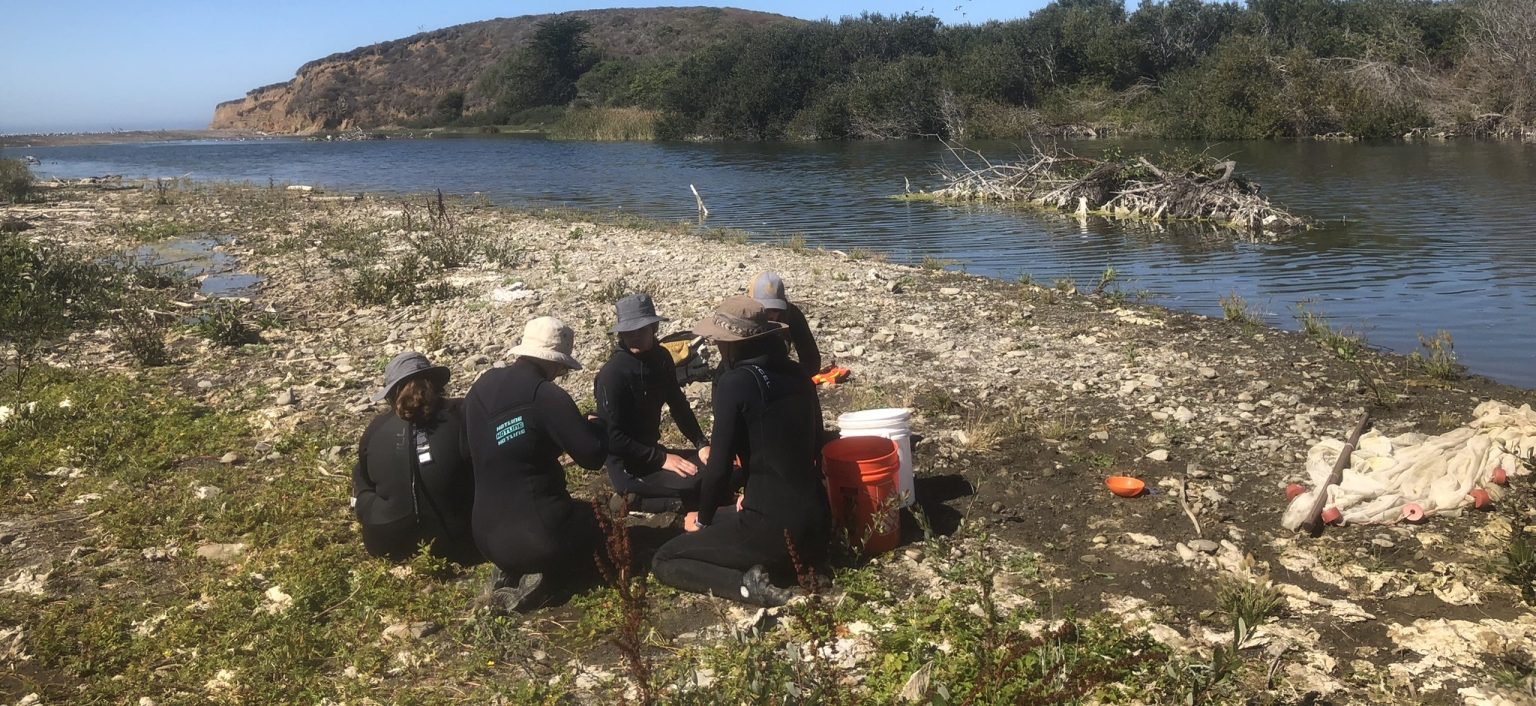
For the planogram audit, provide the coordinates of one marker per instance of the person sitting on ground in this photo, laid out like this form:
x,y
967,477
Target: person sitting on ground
x,y
630,389
768,289
766,412
520,422
412,483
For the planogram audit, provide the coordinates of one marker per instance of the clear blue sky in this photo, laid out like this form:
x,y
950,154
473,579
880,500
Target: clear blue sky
x,y
105,65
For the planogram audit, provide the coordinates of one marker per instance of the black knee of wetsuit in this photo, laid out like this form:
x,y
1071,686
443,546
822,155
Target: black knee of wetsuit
x,y
713,559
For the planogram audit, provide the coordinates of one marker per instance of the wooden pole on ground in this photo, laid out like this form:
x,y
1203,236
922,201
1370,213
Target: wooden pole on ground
x,y
1314,523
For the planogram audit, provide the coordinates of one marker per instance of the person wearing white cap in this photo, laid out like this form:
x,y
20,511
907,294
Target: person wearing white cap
x,y
520,422
768,289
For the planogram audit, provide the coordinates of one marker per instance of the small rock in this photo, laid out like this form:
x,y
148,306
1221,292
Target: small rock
x,y
1157,438
229,458
1208,373
1204,545
1185,553
285,397
204,384
1099,436
1383,543
1183,416
914,554
1100,539
997,507
221,553
949,291
1158,455
205,492
1145,540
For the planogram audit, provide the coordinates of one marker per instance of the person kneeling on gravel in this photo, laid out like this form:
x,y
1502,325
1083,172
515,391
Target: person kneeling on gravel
x,y
630,390
520,422
412,483
767,412
768,289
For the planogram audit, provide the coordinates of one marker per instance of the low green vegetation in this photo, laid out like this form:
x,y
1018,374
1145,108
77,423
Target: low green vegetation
x,y
1437,357
1343,343
1237,309
226,322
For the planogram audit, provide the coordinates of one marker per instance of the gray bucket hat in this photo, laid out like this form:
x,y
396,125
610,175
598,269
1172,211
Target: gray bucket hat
x,y
768,288
636,311
405,366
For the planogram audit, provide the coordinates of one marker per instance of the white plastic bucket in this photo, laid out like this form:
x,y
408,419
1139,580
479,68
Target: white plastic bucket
x,y
895,424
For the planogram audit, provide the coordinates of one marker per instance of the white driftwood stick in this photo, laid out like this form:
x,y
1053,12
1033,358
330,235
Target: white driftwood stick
x,y
703,212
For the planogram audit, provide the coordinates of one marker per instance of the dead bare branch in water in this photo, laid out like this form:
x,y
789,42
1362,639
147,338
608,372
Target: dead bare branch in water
x,y
1207,189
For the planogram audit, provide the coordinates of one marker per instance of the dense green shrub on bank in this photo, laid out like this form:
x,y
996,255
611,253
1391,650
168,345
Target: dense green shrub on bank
x,y
15,180
1180,68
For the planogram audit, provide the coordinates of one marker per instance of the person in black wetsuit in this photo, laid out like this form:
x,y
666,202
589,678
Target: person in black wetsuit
x,y
412,483
766,411
520,421
630,389
768,289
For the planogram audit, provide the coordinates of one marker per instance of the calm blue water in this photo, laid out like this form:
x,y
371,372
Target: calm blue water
x,y
1418,237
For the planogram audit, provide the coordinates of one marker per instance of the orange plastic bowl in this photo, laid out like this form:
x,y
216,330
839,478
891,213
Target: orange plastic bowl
x,y
1125,486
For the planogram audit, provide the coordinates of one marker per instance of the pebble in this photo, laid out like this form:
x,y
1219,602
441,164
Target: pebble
x,y
1185,553
997,507
1099,436
204,384
949,291
1145,540
914,554
1158,455
1208,373
230,457
221,553
1100,539
1383,543
285,397
1204,545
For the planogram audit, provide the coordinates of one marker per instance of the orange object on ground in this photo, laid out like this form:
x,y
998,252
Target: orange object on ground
x,y
1332,516
1125,486
1481,498
1499,477
1293,490
831,376
862,480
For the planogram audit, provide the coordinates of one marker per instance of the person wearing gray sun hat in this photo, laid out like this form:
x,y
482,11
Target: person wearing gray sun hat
x,y
520,422
631,388
768,289
413,482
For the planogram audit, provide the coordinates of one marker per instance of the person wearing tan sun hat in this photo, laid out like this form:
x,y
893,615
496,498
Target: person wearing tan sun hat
x,y
519,423
768,289
767,413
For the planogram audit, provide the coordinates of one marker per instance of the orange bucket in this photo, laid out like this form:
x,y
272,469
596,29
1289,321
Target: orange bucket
x,y
863,474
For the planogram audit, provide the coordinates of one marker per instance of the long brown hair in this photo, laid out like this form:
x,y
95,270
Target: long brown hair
x,y
417,400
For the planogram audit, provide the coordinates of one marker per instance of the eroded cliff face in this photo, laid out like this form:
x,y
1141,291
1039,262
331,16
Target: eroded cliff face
x,y
394,82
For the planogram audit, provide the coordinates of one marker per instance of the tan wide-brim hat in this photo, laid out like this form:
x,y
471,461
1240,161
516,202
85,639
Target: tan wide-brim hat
x,y
739,318
548,338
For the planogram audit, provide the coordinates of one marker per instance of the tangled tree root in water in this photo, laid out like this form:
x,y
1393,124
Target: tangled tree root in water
x,y
1200,188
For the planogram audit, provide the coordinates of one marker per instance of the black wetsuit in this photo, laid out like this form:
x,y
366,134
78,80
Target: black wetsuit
x,y
766,411
413,484
525,520
800,337
630,391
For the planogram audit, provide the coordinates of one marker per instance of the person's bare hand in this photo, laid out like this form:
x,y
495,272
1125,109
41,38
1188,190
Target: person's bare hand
x,y
679,465
704,455
691,522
